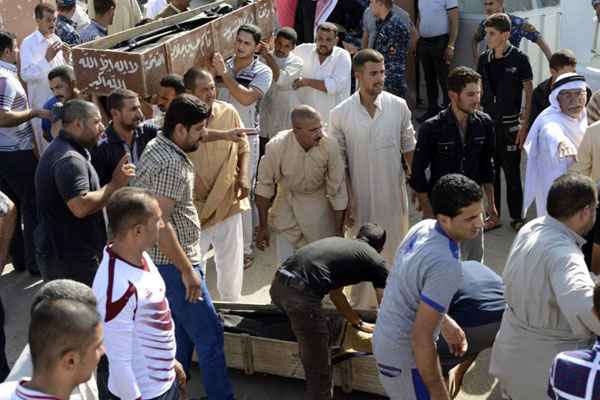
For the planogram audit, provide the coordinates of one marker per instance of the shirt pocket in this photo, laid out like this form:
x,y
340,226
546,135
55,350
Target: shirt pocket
x,y
385,142
447,149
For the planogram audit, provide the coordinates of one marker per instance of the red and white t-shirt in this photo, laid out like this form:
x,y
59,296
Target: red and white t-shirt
x,y
16,391
139,334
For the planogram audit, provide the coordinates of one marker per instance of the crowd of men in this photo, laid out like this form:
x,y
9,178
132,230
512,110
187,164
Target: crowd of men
x,y
309,147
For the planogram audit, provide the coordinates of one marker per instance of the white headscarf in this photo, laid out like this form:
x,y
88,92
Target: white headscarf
x,y
572,128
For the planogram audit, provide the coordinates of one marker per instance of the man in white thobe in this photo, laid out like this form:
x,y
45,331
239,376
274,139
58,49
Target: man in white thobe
x,y
281,99
41,51
548,291
554,138
374,132
325,80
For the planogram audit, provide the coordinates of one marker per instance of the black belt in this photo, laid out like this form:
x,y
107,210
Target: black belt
x,y
287,278
435,38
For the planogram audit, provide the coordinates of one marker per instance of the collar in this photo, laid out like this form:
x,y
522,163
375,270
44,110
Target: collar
x,y
66,20
387,17
378,100
9,67
39,37
249,67
451,117
25,393
100,27
168,142
492,54
80,149
113,137
453,244
550,221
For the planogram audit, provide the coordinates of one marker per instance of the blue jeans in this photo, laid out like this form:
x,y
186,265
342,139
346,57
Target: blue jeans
x,y
198,324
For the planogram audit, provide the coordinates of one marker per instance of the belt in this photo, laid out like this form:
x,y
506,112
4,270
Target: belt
x,y
288,279
435,38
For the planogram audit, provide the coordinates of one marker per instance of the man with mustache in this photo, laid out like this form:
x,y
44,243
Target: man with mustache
x,y
325,78
304,170
63,86
125,135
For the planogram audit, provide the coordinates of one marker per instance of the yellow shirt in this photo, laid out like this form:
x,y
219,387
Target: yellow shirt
x,y
588,154
216,170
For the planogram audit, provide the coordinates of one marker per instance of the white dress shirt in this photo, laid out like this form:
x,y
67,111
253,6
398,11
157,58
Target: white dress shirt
x,y
34,71
334,71
433,19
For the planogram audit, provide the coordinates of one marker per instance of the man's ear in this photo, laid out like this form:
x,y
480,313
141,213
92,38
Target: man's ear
x,y
70,361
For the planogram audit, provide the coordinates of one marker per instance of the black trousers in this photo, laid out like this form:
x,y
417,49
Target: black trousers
x,y
17,175
312,332
430,52
81,269
508,159
4,369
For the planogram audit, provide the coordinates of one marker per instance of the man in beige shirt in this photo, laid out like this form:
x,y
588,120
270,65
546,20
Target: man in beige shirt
x,y
304,170
221,187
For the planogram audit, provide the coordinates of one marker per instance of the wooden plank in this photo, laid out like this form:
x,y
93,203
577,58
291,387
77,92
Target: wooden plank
x,y
364,375
154,62
191,49
234,352
227,26
277,357
264,13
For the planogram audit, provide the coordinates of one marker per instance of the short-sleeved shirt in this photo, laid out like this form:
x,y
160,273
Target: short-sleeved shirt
x,y
46,123
335,262
369,22
165,170
480,299
519,28
4,203
92,32
111,148
434,17
13,98
65,30
426,270
257,75
63,173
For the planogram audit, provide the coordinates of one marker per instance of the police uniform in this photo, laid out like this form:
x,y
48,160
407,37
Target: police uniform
x,y
65,29
392,40
519,29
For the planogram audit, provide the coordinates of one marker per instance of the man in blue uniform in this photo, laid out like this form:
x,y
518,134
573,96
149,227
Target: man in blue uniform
x,y
520,29
392,40
65,27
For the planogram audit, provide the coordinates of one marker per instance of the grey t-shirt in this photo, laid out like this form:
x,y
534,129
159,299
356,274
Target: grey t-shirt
x,y
369,22
426,269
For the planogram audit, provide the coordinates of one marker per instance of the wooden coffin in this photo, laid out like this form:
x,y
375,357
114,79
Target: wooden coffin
x,y
279,357
99,68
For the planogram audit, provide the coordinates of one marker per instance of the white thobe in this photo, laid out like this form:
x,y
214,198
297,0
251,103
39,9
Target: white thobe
x,y
280,100
153,7
80,18
550,164
334,71
34,71
548,294
373,148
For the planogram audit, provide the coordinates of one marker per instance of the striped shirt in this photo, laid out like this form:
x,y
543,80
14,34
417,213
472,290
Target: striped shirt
x,y
13,98
575,375
17,391
165,170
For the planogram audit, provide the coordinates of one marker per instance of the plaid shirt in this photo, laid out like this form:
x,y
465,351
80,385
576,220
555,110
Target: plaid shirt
x,y
165,170
575,375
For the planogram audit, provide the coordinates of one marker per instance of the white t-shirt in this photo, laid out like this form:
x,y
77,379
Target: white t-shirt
x,y
434,17
139,333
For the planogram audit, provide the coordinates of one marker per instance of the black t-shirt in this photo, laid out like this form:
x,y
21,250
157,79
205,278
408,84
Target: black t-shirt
x,y
64,172
496,73
335,262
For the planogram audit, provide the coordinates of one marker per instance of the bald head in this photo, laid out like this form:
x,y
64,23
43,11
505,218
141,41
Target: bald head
x,y
304,113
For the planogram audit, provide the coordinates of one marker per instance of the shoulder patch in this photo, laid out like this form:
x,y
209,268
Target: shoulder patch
x,y
527,27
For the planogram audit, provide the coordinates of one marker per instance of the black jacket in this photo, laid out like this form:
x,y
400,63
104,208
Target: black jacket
x,y
440,147
505,105
540,100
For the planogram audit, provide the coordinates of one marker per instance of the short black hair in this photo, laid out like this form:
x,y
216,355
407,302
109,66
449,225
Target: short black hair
x,y
128,207
253,30
373,234
498,21
57,327
569,194
7,40
460,77
563,58
287,33
117,98
173,81
101,7
453,192
41,8
77,109
328,27
64,289
364,56
185,109
192,75
64,72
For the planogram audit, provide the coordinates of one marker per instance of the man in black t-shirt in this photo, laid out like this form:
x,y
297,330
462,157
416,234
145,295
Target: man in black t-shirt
x,y
326,267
